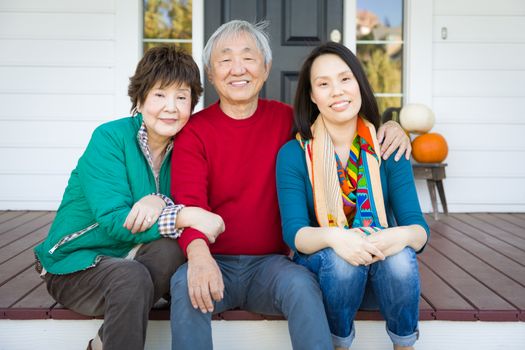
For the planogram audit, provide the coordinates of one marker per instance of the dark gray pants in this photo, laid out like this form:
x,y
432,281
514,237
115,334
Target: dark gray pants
x,y
122,290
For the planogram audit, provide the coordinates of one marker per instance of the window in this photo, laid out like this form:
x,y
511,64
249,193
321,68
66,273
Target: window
x,y
379,46
168,21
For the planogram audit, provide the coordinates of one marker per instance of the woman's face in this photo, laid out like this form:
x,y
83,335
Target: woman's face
x,y
335,90
166,110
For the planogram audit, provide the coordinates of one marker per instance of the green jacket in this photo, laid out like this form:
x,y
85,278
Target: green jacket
x,y
111,176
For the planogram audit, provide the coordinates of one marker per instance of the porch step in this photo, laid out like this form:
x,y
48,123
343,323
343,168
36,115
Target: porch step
x,y
263,335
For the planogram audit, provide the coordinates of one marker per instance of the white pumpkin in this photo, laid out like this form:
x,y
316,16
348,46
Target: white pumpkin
x,y
416,118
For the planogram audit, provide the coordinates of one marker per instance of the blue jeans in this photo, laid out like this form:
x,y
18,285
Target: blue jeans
x,y
391,284
268,284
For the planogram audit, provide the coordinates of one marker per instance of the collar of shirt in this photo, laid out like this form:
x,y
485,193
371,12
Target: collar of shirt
x,y
142,138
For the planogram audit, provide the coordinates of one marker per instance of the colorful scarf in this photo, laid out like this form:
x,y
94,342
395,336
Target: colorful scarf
x,y
343,194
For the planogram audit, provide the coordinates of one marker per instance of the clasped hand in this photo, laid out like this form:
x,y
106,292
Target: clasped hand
x,y
359,249
352,245
388,241
144,213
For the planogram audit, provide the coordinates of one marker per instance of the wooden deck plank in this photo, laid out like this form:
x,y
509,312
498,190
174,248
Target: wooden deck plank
x,y
16,233
9,215
520,215
24,243
19,221
514,220
446,302
426,311
509,227
35,305
493,230
488,240
500,262
491,306
505,287
38,298
18,287
16,264
465,262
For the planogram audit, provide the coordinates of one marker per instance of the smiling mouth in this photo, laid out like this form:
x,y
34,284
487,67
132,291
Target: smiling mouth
x,y
169,120
239,83
340,105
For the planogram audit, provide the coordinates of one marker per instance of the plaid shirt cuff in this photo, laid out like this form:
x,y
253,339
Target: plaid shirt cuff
x,y
167,221
166,199
168,218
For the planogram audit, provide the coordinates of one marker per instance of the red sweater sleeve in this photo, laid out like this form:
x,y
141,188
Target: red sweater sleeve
x,y
189,178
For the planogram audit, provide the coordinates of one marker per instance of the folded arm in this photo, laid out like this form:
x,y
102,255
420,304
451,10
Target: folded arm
x,y
103,174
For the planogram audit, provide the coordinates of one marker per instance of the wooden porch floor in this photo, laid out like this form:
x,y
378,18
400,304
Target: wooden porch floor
x,y
472,269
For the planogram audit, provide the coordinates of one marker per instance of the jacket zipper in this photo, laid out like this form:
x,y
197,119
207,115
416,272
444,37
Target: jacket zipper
x,y
71,237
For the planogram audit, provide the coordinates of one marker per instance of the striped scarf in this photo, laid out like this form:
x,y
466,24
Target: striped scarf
x,y
350,194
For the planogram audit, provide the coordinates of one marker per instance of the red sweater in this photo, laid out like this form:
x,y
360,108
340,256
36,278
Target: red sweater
x,y
227,166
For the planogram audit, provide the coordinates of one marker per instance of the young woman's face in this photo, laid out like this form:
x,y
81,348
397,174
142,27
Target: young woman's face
x,y
166,110
335,90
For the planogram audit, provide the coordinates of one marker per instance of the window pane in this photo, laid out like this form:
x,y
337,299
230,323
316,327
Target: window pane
x,y
385,102
383,65
379,20
167,19
185,46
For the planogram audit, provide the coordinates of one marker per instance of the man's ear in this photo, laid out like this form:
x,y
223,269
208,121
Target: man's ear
x,y
209,75
268,66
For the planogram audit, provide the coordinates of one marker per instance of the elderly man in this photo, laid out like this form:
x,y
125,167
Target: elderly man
x,y
225,163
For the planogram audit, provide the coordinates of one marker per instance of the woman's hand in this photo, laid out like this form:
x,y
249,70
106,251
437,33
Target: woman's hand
x,y
144,213
391,136
394,239
202,220
389,241
353,246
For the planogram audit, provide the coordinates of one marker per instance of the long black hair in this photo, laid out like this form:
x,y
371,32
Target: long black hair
x,y
306,112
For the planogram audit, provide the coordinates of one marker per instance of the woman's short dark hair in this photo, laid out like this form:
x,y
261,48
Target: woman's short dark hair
x,y
306,112
166,65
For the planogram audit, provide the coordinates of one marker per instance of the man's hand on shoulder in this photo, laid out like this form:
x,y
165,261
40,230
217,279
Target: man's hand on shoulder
x,y
204,277
391,136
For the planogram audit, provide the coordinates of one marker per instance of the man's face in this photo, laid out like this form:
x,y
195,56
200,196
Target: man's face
x,y
237,69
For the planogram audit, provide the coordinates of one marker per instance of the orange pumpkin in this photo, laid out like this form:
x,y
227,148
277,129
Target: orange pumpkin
x,y
429,148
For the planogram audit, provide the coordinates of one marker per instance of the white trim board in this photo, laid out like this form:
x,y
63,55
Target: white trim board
x,y
254,335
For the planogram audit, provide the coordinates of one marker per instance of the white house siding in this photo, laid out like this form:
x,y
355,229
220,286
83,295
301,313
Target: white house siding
x,y
63,70
479,98
64,66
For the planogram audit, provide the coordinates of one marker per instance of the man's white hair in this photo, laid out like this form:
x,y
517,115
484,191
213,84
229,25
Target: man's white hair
x,y
234,28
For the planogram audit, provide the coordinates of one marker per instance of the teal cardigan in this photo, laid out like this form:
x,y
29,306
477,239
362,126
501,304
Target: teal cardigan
x,y
296,199
111,176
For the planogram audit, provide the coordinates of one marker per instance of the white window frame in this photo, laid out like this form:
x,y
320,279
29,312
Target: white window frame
x,y
417,43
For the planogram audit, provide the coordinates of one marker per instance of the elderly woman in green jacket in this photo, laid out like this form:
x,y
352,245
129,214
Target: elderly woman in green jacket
x,y
112,247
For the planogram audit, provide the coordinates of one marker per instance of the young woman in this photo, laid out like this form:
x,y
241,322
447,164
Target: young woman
x,y
352,219
111,249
